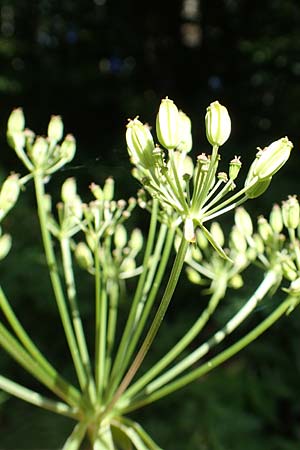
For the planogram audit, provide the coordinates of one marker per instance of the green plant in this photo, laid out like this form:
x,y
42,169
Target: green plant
x,y
181,197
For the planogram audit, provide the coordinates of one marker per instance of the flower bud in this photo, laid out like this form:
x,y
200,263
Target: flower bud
x,y
272,158
289,269
120,236
140,144
217,233
16,121
217,124
238,240
234,167
39,152
236,282
291,212
68,190
185,133
193,276
9,193
276,219
84,256
68,148
5,245
168,124
109,189
243,221
55,129
136,240
264,229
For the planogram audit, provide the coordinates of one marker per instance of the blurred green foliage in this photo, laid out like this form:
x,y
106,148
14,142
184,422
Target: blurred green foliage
x,y
97,63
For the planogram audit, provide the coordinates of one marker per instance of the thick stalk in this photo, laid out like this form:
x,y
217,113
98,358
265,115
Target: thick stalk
x,y
55,280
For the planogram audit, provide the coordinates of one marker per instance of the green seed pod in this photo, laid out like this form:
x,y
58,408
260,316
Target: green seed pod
x,y
234,167
168,124
237,240
16,121
185,133
120,236
289,269
55,129
264,229
259,244
193,276
236,282
243,221
272,158
291,212
275,220
68,190
68,148
109,189
5,245
84,256
39,152
136,240
217,233
217,124
9,193
140,144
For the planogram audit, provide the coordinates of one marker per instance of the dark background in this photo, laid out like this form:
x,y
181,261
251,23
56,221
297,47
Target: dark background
x,y
97,63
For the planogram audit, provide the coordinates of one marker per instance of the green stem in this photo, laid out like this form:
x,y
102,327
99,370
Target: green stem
x,y
270,280
147,301
136,301
101,324
55,280
30,396
67,390
17,352
162,309
76,437
113,291
182,344
75,314
217,360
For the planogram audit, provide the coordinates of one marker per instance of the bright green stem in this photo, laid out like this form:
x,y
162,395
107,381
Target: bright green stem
x,y
55,280
36,399
118,363
101,326
75,314
148,298
76,437
135,433
66,388
17,352
270,279
182,344
113,291
217,360
162,309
